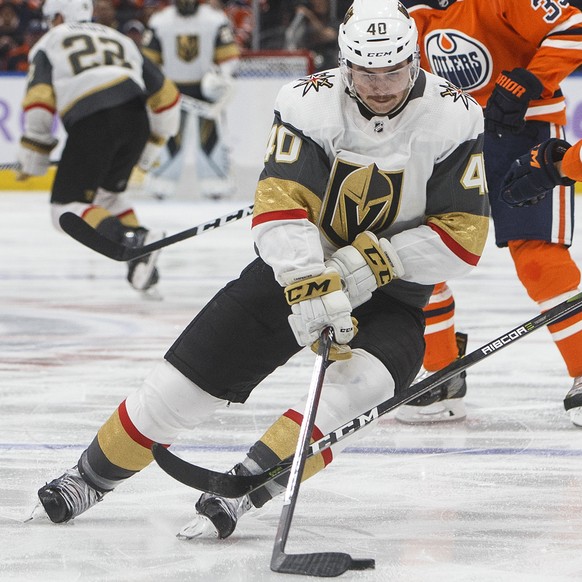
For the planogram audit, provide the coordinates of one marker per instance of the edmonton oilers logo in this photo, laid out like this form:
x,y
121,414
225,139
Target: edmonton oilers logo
x,y
460,59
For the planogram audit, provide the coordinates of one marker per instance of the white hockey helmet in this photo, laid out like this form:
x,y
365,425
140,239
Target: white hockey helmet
x,y
377,33
70,10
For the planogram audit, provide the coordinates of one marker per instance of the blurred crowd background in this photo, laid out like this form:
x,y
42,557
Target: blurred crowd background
x,y
258,25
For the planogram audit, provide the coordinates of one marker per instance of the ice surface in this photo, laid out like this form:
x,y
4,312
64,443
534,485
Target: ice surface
x,y
496,497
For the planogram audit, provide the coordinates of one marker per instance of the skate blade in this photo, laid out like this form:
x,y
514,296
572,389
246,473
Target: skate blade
x,y
36,514
445,411
151,294
199,528
576,416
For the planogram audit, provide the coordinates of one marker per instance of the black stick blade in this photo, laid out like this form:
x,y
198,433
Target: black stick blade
x,y
320,564
81,231
223,484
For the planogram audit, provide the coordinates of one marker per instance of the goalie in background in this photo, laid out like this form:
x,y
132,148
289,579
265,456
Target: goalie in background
x,y
195,47
118,111
362,206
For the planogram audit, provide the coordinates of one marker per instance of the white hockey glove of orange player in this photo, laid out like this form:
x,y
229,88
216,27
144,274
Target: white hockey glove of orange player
x,y
365,265
33,157
319,302
214,85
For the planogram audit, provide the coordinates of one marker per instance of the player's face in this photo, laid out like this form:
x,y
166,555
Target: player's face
x,y
383,89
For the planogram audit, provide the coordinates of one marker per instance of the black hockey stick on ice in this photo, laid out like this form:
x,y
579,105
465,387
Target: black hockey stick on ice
x,y
81,231
319,563
229,485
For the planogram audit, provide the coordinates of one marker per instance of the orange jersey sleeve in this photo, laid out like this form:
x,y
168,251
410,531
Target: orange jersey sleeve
x,y
471,42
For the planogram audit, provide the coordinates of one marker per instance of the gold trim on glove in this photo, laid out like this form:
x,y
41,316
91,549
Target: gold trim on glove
x,y
376,258
312,287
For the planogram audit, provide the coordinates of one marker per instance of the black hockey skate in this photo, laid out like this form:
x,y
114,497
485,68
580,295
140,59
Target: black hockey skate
x,y
573,402
216,517
68,496
142,273
442,403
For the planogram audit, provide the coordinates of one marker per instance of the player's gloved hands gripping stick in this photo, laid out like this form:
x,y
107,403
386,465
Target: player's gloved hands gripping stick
x,y
318,302
365,265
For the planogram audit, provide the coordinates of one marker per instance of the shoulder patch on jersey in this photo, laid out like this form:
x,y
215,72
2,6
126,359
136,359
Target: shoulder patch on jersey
x,y
449,90
315,82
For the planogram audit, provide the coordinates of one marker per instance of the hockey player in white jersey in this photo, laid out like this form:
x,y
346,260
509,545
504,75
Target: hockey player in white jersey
x,y
118,111
372,191
195,46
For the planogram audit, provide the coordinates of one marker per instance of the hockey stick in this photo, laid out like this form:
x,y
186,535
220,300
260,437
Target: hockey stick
x,y
16,166
318,563
205,108
228,485
81,231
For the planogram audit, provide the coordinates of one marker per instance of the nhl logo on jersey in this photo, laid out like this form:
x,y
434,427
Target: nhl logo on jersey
x,y
187,47
460,59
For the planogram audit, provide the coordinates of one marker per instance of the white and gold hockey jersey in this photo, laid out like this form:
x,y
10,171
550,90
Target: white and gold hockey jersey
x,y
77,69
415,176
187,47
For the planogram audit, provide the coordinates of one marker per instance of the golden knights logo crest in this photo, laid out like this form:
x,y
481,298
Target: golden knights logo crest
x,y
359,198
187,47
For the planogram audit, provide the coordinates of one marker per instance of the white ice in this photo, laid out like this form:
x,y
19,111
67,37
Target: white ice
x,y
494,498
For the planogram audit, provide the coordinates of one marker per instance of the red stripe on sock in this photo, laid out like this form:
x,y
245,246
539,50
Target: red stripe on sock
x,y
132,431
296,417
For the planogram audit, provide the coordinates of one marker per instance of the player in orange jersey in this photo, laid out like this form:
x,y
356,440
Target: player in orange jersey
x,y
552,163
511,56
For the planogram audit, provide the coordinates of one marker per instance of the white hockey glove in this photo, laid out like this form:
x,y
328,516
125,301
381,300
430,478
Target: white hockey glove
x,y
214,86
365,265
33,157
319,302
151,153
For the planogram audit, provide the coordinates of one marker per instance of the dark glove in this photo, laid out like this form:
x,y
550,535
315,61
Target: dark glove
x,y
534,174
508,103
